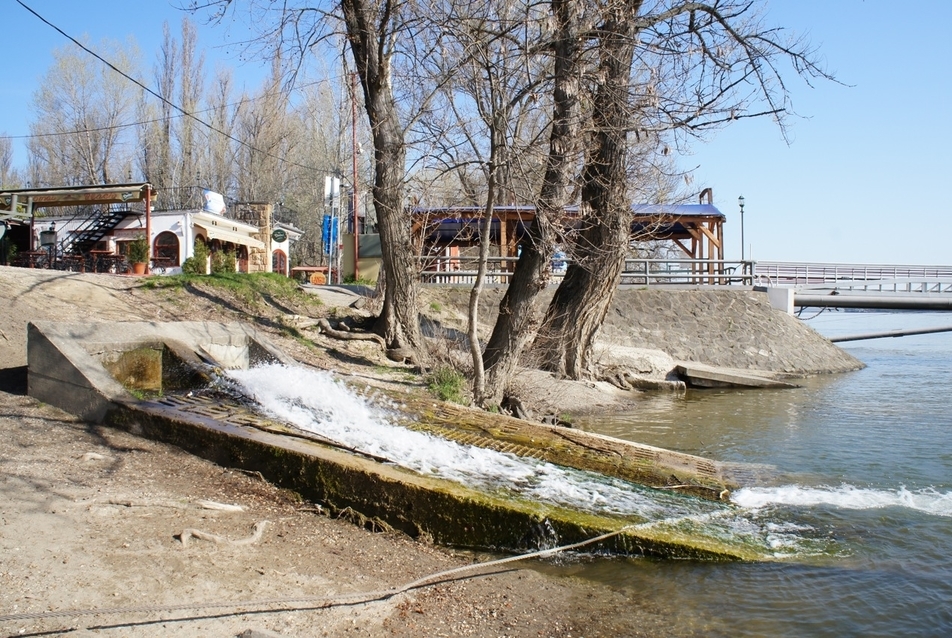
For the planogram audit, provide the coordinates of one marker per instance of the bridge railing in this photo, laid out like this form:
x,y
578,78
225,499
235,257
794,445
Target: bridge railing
x,y
805,275
635,272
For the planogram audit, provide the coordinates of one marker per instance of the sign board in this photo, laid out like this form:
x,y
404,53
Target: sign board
x,y
279,235
213,202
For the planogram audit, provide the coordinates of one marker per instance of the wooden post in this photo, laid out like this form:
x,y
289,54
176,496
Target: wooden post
x,y
148,227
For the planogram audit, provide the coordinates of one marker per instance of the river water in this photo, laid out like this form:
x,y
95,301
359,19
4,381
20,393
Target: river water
x,y
851,487
861,460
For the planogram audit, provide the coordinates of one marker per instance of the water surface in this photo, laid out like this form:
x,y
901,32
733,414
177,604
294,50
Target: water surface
x,y
862,460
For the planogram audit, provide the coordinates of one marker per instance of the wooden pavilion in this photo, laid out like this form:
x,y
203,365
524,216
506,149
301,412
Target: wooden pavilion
x,y
697,229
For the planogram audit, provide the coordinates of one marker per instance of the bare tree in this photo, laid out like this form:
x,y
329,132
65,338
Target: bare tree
x,y
489,78
321,118
7,173
579,305
170,153
80,109
672,66
375,29
220,155
518,314
264,130
191,85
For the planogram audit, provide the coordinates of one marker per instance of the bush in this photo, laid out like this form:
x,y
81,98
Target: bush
x,y
197,264
138,250
223,262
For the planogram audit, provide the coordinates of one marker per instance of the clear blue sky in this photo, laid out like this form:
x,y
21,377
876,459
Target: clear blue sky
x,y
867,176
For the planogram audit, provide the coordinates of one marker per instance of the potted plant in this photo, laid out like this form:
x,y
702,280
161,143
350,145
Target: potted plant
x,y
138,254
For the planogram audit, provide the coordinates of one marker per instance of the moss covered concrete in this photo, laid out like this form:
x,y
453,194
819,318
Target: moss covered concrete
x,y
643,464
443,511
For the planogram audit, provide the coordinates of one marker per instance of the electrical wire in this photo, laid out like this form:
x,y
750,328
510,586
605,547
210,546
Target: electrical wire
x,y
153,121
294,604
167,101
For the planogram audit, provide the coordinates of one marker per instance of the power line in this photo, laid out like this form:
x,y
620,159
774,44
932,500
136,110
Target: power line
x,y
140,123
168,102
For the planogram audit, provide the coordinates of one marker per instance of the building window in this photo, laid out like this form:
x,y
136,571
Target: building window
x,y
165,252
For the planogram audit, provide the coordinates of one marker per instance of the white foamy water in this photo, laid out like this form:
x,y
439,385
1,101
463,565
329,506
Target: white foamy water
x,y
315,402
929,501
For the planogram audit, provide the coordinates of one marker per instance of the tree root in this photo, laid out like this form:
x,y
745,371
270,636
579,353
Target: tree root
x,y
344,335
513,405
374,524
214,538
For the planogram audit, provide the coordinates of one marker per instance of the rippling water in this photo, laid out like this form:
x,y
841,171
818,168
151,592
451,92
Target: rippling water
x,y
863,460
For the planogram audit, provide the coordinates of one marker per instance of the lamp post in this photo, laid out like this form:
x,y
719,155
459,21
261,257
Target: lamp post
x,y
740,202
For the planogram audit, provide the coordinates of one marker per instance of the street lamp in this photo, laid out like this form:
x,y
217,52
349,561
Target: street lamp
x,y
740,202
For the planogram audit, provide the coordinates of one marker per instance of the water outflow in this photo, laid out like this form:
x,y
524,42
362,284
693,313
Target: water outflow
x,y
314,401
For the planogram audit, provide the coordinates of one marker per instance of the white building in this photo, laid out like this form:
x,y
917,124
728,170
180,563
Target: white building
x,y
99,240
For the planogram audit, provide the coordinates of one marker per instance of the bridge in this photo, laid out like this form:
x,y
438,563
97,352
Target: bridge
x,y
828,285
788,284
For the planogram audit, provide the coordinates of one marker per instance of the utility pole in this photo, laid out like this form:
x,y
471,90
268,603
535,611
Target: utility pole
x,y
353,117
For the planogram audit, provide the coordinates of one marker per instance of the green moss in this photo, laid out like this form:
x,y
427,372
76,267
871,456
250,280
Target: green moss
x,y
138,370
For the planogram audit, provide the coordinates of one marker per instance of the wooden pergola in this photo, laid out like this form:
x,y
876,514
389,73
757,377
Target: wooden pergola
x,y
697,229
21,203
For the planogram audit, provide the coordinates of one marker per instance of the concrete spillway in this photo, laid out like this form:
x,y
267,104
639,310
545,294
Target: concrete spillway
x,y
148,378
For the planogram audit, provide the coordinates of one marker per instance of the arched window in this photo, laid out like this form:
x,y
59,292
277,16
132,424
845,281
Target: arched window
x,y
279,262
165,251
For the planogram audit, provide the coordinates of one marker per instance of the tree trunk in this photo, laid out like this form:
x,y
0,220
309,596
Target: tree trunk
x,y
578,307
479,369
370,29
518,313
398,323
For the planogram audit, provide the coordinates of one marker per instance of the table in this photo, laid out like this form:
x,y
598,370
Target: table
x,y
105,260
32,258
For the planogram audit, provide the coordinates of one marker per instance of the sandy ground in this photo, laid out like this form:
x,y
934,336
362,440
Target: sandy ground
x,y
93,523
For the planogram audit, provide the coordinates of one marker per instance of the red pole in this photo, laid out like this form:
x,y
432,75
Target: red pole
x,y
353,115
148,226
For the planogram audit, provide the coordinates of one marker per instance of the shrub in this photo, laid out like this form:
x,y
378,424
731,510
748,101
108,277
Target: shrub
x,y
223,262
138,250
447,384
197,264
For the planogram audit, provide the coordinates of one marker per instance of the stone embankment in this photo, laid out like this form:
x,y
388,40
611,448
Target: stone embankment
x,y
725,328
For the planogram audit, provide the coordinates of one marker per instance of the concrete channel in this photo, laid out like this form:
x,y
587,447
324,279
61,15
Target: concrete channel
x,y
144,377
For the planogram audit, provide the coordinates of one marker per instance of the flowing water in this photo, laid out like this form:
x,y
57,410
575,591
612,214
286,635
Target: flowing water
x,y
863,459
853,493
315,402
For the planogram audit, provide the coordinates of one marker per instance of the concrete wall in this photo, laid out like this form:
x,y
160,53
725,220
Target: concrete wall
x,y
65,366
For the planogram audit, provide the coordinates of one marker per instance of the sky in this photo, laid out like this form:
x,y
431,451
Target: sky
x,y
865,175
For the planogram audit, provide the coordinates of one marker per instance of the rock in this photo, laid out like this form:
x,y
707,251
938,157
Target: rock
x,y
400,355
